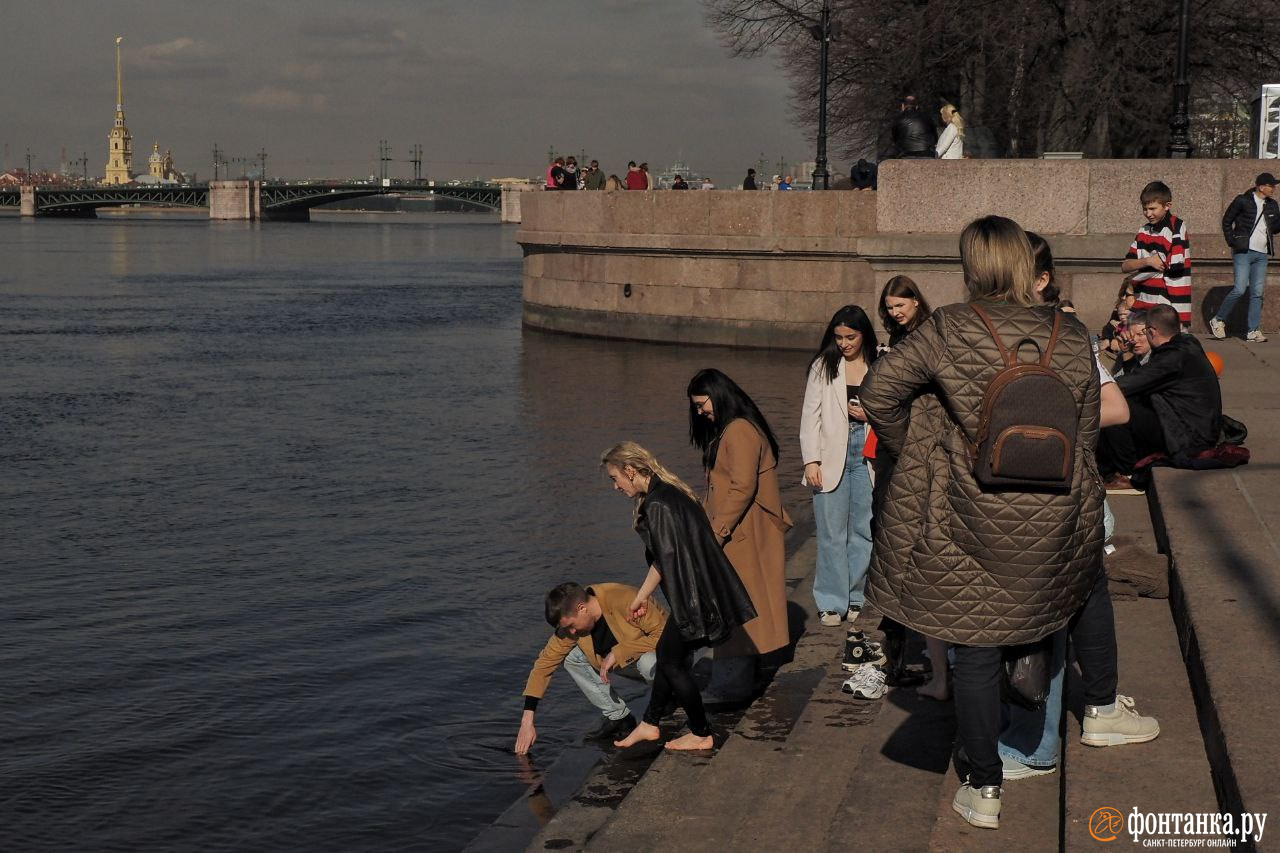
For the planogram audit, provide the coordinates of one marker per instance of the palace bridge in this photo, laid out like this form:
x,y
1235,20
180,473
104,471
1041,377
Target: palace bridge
x,y
237,199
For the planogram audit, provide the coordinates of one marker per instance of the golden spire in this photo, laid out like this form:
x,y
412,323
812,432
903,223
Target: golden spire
x,y
119,78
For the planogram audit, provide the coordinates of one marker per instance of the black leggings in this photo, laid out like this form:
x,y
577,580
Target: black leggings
x,y
978,673
673,682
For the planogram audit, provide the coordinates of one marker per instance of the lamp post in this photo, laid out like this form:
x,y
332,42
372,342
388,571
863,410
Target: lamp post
x,y
822,32
1180,122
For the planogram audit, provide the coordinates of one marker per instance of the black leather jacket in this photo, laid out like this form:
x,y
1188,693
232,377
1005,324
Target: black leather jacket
x,y
1180,384
1238,222
914,134
706,597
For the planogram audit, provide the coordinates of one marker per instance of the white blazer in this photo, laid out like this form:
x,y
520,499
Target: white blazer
x,y
824,424
950,146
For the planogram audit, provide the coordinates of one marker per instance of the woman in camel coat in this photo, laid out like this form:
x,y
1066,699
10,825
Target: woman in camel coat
x,y
743,503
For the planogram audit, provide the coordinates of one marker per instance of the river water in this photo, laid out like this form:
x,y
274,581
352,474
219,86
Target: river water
x,y
280,504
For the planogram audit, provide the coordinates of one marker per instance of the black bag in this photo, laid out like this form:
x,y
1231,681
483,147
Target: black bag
x,y
1026,674
1028,422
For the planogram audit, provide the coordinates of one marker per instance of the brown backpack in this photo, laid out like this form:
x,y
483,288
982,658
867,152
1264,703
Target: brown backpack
x,y
1027,427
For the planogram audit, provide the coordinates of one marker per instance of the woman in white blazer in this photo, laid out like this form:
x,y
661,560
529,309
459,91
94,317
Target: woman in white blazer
x,y
951,142
833,429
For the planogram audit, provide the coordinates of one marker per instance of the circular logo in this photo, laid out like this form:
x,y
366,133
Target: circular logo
x,y
1106,823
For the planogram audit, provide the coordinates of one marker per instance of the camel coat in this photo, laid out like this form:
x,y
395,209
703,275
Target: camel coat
x,y
746,513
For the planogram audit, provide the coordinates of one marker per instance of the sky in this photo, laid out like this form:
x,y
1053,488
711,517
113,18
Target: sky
x,y
486,87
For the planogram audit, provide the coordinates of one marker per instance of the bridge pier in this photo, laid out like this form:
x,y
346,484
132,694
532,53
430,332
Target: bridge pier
x,y
27,205
511,201
239,199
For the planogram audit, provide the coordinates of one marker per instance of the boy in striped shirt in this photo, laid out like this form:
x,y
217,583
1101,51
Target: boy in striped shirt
x,y
1159,259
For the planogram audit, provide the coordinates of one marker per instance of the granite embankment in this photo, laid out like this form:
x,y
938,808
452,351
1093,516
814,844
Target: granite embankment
x,y
766,269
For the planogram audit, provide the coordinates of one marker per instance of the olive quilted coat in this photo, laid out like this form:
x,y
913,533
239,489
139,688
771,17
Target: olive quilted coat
x,y
954,560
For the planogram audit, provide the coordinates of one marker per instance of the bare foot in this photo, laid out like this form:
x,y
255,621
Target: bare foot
x,y
936,688
691,742
643,731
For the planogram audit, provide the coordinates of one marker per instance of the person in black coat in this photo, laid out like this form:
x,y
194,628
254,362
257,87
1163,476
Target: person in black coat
x,y
913,133
863,175
1175,403
1247,226
706,598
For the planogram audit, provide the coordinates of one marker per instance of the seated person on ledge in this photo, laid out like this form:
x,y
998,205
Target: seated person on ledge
x,y
1136,346
593,636
1175,404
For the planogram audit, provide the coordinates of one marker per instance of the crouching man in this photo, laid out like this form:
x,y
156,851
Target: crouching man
x,y
592,638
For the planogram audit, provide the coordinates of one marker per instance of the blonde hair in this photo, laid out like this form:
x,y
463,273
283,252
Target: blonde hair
x,y
998,262
629,453
957,121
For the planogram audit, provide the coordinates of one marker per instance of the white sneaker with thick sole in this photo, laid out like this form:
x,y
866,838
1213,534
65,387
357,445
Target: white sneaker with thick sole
x,y
1123,725
1217,328
1255,337
867,682
979,806
829,618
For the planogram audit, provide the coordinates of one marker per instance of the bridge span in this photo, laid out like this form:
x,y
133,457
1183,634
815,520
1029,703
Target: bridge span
x,y
237,199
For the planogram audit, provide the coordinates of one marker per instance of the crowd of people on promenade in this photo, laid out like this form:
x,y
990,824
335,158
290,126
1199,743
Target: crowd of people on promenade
x,y
960,468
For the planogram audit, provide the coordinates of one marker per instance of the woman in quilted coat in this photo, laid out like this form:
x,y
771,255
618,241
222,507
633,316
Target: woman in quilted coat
x,y
983,567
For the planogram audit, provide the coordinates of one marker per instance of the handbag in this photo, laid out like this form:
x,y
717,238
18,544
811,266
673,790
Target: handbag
x,y
1026,674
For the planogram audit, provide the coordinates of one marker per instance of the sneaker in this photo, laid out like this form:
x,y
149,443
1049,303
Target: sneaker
x,y
829,618
1256,337
855,610
1119,484
1015,769
979,806
612,729
1123,725
859,650
867,682
1217,328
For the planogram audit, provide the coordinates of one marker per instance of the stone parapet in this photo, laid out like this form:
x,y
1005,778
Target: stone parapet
x,y
769,268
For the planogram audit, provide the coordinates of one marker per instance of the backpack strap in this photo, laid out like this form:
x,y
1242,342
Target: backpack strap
x,y
1010,357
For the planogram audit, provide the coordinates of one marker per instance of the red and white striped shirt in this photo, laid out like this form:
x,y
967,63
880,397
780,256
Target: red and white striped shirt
x,y
1171,286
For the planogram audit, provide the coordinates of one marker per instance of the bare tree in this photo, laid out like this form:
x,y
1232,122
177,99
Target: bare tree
x,y
1030,75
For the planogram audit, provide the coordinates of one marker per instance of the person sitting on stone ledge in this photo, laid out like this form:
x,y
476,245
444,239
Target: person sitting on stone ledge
x,y
1137,346
594,633
1175,404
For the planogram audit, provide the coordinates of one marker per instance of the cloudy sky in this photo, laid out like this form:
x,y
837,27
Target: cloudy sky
x,y
485,86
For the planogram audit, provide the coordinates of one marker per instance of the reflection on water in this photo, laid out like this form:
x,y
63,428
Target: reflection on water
x,y
283,501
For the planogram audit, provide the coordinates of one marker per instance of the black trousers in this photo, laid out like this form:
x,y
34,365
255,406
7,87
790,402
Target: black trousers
x,y
978,673
673,682
1120,447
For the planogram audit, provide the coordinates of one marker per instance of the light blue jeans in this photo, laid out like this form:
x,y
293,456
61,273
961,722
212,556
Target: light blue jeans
x,y
843,520
602,695
1031,737
1251,275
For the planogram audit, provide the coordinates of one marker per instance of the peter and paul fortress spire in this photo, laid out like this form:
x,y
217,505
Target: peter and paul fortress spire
x,y
120,153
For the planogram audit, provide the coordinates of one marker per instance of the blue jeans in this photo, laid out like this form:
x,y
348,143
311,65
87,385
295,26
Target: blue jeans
x,y
602,695
843,519
1251,274
1031,737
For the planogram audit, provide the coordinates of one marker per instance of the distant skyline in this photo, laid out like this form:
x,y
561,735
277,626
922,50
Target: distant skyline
x,y
485,86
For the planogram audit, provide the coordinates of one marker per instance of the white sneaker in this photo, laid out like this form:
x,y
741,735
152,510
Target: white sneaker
x,y
829,618
1123,725
979,806
1217,328
867,682
1256,337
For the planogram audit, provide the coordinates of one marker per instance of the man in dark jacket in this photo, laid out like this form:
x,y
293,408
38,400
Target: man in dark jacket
x,y
913,133
863,175
1247,226
1175,404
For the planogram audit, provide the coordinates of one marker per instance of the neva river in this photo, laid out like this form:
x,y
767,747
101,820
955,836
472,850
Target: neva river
x,y
280,504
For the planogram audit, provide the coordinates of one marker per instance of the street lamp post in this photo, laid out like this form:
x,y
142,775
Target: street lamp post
x,y
822,32
1180,122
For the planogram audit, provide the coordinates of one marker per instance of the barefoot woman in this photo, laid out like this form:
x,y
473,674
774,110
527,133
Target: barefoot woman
x,y
705,596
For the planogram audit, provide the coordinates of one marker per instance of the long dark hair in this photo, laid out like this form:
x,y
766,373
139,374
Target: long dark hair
x,y
728,402
1044,264
829,354
904,288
